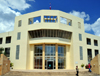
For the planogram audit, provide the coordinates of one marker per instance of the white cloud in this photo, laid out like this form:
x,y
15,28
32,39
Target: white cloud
x,y
88,27
82,15
63,20
15,4
37,21
8,13
95,27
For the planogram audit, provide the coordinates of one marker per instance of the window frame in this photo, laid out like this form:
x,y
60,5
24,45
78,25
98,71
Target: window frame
x,y
18,35
17,51
80,37
19,23
96,42
81,52
8,41
88,43
1,40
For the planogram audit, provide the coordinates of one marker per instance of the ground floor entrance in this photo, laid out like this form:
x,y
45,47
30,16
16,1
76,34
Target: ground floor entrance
x,y
49,64
49,56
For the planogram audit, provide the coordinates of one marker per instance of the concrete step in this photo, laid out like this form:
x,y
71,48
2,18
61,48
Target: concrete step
x,y
19,73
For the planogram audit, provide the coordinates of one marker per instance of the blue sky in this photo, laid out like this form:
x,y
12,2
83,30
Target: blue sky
x,y
89,10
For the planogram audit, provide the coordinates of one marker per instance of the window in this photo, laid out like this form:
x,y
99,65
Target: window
x,y
79,25
7,52
0,40
17,51
88,41
80,37
50,33
61,57
65,21
19,23
50,55
81,53
34,20
18,35
38,57
8,39
96,52
69,22
89,53
37,19
50,19
95,43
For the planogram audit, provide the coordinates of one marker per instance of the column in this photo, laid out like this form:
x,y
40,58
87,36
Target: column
x,y
56,56
43,57
67,58
42,18
93,53
31,56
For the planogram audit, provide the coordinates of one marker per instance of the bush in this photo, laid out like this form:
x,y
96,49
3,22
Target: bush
x,y
1,49
11,65
87,67
82,65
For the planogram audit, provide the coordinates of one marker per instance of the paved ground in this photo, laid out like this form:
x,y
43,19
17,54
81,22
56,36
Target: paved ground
x,y
48,73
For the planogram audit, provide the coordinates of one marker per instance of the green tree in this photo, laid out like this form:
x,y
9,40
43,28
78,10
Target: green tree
x,y
1,49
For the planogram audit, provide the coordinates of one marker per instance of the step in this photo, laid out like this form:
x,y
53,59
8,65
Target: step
x,y
20,73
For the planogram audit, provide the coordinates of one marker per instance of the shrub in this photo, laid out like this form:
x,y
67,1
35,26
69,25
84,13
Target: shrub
x,y
82,65
87,67
11,65
1,49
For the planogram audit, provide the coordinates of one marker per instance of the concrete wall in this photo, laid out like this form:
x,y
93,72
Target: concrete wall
x,y
4,64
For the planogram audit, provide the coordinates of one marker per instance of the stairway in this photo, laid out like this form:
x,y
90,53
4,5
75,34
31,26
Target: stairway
x,y
20,73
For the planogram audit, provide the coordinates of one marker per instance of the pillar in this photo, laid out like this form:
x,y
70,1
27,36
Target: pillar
x,y
67,57
43,57
31,56
56,56
93,53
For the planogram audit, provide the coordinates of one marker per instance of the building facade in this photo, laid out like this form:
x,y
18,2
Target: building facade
x,y
49,39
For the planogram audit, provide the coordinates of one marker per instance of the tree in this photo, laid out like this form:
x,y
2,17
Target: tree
x,y
1,49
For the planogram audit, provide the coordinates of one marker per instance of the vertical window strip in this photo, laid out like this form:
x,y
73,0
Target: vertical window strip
x,y
17,51
81,53
18,35
19,23
80,37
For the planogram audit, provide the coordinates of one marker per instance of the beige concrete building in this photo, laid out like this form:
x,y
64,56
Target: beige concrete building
x,y
49,39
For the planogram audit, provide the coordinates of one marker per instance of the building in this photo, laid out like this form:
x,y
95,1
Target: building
x,y
49,39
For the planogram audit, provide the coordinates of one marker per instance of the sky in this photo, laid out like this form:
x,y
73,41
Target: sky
x,y
89,10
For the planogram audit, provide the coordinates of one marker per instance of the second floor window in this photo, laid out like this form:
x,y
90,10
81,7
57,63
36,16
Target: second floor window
x,y
0,40
80,37
19,23
95,43
88,41
18,35
8,39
